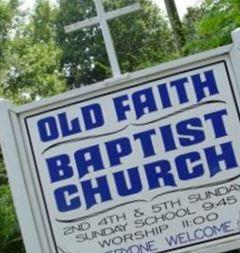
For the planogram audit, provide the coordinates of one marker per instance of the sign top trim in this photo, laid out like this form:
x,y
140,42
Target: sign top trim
x,y
130,78
119,89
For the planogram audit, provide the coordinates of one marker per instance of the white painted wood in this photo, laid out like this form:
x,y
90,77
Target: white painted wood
x,y
221,248
235,55
81,24
32,187
123,11
235,62
108,39
95,20
18,187
236,38
102,19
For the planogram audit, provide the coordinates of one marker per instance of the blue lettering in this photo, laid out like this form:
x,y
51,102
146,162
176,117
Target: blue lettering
x,y
181,89
227,156
88,158
182,163
145,139
216,119
118,149
120,108
48,130
134,184
191,130
64,200
59,168
209,84
93,116
90,192
159,170
144,102
68,128
164,95
168,138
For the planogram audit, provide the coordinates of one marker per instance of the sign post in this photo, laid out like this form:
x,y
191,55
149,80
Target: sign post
x,y
149,163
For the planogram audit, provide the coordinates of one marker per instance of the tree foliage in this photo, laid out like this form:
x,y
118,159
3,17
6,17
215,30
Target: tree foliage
x,y
7,9
10,236
213,25
139,40
32,60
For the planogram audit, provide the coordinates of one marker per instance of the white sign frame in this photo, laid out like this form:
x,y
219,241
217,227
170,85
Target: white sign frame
x,y
27,201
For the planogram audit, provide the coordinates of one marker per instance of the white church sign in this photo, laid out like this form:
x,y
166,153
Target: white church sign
x,y
147,163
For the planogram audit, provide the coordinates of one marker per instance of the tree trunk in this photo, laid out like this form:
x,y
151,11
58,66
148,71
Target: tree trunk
x,y
175,23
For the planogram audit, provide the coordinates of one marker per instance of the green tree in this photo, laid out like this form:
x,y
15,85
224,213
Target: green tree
x,y
194,15
217,20
7,15
141,39
10,236
32,61
176,24
7,10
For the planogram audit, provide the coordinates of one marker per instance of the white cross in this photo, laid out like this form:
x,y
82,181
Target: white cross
x,y
102,19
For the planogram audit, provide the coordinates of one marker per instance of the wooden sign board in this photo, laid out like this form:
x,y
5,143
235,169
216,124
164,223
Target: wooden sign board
x,y
146,163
